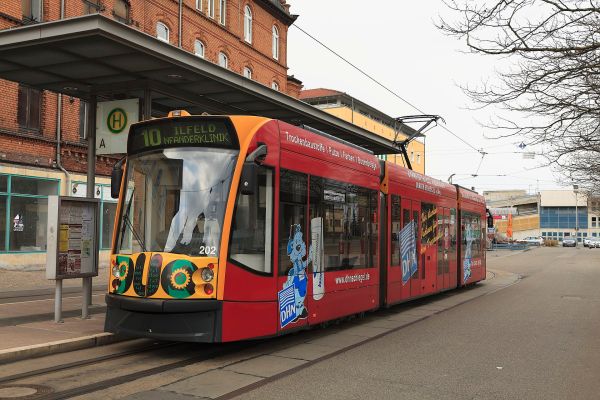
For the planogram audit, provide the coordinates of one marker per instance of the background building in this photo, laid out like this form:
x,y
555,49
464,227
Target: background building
x,y
42,135
361,114
552,214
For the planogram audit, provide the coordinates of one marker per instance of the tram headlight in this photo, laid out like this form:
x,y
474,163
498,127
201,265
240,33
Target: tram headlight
x,y
207,274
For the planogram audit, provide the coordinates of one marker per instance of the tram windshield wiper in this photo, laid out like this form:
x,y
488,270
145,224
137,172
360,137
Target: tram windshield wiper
x,y
129,224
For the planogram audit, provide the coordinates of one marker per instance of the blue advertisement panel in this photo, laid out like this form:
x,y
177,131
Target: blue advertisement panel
x,y
408,251
287,305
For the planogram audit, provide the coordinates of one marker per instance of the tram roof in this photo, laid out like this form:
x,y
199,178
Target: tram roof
x,y
94,55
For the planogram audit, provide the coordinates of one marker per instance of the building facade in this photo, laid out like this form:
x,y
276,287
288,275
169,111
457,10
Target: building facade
x,y
361,114
552,214
42,135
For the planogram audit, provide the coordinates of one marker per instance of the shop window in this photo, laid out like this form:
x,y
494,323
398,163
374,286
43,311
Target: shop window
x,y
222,11
275,43
3,225
28,108
248,24
349,223
32,186
395,233
29,218
292,214
162,32
32,11
121,10
109,210
199,48
252,232
3,183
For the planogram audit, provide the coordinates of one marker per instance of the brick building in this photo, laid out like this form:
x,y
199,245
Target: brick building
x,y
41,149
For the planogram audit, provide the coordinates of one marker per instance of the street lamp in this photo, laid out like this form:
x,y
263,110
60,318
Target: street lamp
x,y
575,187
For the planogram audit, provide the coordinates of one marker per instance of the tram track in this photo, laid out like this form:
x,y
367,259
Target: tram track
x,y
48,392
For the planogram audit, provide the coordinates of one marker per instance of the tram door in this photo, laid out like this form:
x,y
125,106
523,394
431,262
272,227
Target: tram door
x,y
293,248
417,277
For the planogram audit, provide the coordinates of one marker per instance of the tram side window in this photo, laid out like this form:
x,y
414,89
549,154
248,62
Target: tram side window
x,y
252,231
349,224
395,233
292,215
471,234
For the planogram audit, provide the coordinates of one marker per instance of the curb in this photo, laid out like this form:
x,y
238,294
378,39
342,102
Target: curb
x,y
60,346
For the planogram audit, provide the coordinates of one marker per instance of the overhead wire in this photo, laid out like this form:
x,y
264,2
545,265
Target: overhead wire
x,y
480,151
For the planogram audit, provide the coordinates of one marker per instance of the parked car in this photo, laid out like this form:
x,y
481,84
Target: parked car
x,y
594,243
586,241
568,242
533,240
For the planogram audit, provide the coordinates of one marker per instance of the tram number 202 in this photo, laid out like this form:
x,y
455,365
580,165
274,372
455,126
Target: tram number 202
x,y
208,250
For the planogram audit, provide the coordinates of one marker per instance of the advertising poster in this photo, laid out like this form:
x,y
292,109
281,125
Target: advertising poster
x,y
408,251
75,239
316,227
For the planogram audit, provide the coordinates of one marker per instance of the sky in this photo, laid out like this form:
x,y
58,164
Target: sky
x,y
398,44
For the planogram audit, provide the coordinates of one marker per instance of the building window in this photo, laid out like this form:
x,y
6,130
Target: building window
x,y
121,10
83,119
211,8
28,108
247,72
24,212
223,60
222,11
248,24
32,10
162,32
275,86
275,43
91,6
199,48
199,5
594,222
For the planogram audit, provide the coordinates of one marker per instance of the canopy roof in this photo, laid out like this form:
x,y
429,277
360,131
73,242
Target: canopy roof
x,y
97,56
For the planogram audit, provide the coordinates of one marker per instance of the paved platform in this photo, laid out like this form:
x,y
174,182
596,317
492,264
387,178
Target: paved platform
x,y
27,329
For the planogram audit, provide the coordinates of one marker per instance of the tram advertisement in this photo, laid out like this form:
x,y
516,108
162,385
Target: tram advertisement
x,y
408,251
316,228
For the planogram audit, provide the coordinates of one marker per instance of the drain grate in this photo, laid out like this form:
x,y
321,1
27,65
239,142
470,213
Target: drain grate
x,y
23,392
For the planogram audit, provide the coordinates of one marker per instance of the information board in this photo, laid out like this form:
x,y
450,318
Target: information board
x,y
73,232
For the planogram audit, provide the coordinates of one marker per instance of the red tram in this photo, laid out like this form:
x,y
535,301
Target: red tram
x,y
231,228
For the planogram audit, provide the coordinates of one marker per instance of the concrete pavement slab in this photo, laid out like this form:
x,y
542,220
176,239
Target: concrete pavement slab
x,y
265,366
211,384
365,331
338,340
305,351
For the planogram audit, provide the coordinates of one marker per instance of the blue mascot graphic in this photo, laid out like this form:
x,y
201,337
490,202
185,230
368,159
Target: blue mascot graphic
x,y
296,281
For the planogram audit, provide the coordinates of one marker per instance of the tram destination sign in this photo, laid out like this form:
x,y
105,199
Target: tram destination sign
x,y
182,132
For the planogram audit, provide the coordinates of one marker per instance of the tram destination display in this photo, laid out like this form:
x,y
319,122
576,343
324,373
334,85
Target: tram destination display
x,y
182,132
73,232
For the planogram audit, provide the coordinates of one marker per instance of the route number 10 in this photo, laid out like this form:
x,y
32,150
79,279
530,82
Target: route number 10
x,y
151,137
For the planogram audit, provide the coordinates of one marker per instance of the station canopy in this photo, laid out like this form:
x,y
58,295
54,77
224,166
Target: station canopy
x,y
93,55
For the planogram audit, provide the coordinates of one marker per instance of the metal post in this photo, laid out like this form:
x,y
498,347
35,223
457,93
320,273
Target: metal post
x,y
58,302
91,187
147,111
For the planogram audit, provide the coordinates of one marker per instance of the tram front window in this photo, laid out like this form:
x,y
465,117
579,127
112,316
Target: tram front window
x,y
176,201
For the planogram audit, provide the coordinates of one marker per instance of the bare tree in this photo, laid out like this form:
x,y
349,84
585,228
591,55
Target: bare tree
x,y
552,79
